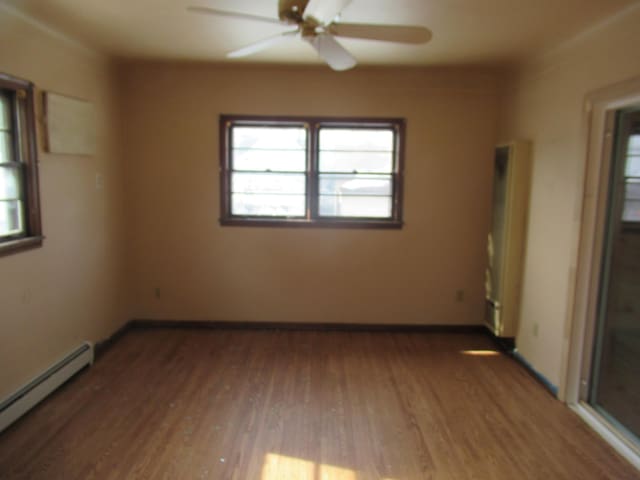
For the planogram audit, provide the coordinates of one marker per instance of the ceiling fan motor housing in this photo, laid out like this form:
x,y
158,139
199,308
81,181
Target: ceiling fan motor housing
x,y
291,11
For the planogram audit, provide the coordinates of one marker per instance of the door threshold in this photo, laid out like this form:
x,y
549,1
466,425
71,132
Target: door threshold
x,y
620,443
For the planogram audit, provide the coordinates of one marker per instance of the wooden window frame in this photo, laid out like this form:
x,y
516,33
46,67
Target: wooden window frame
x,y
26,151
312,126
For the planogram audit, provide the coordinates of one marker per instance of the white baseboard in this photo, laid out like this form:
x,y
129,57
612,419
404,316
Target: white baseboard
x,y
27,397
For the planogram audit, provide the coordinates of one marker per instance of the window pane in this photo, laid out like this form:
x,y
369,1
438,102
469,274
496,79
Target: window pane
x,y
6,147
268,205
356,139
356,194
632,202
631,211
273,160
270,138
351,206
634,145
632,168
369,185
5,112
632,191
11,218
9,183
274,183
374,162
274,149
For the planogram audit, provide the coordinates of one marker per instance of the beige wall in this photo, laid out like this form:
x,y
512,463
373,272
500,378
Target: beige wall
x,y
208,272
54,297
544,102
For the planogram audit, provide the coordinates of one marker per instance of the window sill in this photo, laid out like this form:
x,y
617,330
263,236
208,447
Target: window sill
x,y
304,223
630,227
19,245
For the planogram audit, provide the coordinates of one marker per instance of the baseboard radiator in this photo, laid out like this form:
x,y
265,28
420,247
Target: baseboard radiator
x,y
19,403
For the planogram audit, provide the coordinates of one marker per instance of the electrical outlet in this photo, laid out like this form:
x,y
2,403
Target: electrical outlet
x,y
535,329
460,295
156,292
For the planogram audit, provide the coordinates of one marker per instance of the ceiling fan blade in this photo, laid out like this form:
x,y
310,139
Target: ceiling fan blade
x,y
237,15
262,44
325,11
386,33
331,51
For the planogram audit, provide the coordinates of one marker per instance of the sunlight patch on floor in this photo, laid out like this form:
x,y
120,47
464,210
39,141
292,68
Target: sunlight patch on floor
x,y
480,353
329,472
281,467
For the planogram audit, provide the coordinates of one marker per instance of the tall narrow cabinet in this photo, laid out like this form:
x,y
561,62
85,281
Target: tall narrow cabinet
x,y
507,237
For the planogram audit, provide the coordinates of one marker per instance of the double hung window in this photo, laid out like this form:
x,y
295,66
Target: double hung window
x,y
311,171
19,203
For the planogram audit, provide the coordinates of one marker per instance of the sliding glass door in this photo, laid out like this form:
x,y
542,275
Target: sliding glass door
x,y
615,380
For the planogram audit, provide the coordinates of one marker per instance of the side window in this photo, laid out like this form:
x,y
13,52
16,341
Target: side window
x,y
19,197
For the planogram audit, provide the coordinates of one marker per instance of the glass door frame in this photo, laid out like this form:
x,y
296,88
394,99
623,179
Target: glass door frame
x,y
598,133
613,223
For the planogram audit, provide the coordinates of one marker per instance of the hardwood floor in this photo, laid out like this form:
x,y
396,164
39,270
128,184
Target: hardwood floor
x,y
266,405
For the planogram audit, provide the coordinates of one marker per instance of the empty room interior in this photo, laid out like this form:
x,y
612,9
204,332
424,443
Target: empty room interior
x,y
320,239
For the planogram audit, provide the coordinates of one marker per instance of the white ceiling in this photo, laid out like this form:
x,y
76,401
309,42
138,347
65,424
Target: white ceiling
x,y
464,31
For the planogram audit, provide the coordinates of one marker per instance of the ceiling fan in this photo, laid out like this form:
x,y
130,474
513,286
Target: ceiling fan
x,y
317,23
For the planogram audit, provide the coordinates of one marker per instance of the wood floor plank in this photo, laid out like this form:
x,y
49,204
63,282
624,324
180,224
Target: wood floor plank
x,y
267,405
